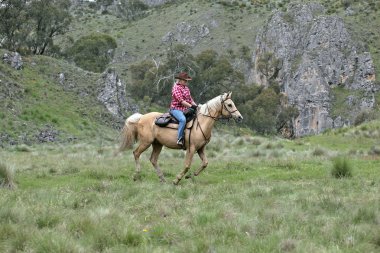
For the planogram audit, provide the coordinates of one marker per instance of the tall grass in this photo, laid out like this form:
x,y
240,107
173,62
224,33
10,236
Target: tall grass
x,y
342,168
72,198
7,174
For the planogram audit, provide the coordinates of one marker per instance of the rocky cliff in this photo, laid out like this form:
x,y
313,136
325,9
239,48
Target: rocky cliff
x,y
112,94
314,54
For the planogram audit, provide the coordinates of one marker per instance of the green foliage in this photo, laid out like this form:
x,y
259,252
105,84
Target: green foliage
x,y
88,201
30,26
148,81
339,101
132,9
7,175
341,168
13,15
318,151
269,65
262,110
50,18
92,52
364,116
212,74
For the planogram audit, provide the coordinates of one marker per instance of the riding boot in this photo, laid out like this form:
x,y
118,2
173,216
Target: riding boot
x,y
183,141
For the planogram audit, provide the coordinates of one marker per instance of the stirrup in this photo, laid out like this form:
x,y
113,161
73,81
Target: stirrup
x,y
180,142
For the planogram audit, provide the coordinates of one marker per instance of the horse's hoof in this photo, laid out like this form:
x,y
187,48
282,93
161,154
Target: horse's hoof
x,y
137,177
162,180
175,181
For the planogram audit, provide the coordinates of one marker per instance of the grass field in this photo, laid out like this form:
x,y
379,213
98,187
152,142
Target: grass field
x,y
258,194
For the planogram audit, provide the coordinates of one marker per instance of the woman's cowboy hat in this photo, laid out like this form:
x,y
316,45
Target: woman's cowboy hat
x,y
183,76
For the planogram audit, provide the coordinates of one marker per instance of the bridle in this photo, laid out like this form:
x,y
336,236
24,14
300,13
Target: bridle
x,y
221,110
214,117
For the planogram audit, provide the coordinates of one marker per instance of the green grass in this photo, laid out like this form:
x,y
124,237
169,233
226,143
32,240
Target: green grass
x,y
80,198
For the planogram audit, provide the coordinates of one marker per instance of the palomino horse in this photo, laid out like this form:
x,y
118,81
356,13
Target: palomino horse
x,y
142,127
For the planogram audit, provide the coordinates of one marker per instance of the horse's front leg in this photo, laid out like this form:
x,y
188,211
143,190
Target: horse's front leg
x,y
188,159
202,155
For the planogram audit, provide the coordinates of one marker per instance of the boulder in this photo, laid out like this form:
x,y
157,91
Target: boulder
x,y
14,59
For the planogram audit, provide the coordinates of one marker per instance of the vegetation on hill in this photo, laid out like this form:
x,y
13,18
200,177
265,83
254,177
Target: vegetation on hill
x,y
36,107
96,36
30,26
93,52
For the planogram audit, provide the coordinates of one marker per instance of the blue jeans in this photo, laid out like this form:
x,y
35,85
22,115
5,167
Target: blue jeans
x,y
182,121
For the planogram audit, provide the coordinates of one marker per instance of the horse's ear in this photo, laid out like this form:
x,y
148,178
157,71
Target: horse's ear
x,y
229,94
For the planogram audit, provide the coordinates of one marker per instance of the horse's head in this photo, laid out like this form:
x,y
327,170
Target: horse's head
x,y
229,109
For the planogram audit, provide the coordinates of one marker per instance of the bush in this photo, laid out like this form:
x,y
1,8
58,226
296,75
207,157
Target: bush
x,y
364,116
93,52
375,150
6,176
341,168
319,152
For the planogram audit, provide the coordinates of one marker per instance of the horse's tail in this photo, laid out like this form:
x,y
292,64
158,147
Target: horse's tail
x,y
129,133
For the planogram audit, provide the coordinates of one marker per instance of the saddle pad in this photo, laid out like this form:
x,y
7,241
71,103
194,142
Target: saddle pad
x,y
175,125
166,119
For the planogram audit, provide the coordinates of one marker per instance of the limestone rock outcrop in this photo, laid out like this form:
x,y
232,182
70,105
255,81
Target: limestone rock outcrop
x,y
317,54
113,95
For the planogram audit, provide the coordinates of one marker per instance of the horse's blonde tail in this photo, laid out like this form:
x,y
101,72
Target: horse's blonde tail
x,y
129,133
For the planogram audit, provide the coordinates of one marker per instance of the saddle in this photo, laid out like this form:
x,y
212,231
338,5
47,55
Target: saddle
x,y
166,118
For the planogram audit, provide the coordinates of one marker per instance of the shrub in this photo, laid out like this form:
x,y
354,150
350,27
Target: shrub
x,y
319,152
6,176
256,142
363,116
341,168
375,150
93,52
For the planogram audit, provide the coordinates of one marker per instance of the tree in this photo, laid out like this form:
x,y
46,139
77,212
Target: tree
x,y
269,66
93,52
13,18
132,9
31,25
49,18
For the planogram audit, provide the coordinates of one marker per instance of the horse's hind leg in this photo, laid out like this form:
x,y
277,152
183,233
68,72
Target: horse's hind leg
x,y
154,160
138,151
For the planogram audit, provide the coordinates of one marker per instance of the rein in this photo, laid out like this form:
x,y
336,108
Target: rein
x,y
221,110
214,117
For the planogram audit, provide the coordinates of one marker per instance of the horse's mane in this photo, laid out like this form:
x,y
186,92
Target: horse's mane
x,y
212,104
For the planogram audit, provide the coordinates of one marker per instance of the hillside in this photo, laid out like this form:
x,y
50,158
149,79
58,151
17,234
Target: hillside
x,y
39,107
230,26
238,28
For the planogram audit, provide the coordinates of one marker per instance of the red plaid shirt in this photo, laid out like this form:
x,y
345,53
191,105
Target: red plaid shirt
x,y
180,93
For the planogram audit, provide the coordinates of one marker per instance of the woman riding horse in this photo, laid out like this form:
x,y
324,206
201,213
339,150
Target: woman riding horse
x,y
142,127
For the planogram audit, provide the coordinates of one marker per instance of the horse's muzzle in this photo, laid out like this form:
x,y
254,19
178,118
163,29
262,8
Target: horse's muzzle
x,y
239,119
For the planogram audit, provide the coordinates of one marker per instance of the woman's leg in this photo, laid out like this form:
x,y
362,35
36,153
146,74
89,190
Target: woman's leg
x,y
182,122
